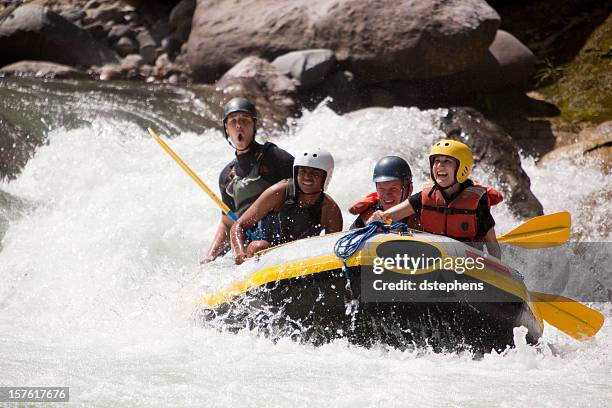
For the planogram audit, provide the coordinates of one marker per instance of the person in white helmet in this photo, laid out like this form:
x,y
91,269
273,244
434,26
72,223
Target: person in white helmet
x,y
302,207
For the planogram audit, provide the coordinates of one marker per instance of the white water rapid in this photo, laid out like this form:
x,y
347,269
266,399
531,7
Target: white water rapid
x,y
99,279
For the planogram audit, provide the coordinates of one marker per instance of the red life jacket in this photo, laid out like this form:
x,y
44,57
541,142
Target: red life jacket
x,y
368,204
456,219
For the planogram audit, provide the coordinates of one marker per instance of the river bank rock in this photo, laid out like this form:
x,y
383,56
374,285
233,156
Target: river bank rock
x,y
41,69
596,152
494,149
308,67
277,87
32,32
405,39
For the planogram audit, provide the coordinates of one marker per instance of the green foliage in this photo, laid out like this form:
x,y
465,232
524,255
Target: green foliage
x,y
549,73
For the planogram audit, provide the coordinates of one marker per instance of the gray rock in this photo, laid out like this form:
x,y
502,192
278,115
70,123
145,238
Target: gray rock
x,y
91,4
32,32
308,67
97,30
147,46
180,19
131,62
73,14
265,74
104,13
170,46
507,64
594,152
132,17
118,31
126,45
41,69
110,71
405,39
159,32
145,71
495,149
182,13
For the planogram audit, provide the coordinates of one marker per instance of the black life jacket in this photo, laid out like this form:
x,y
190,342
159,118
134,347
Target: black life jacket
x,y
297,222
245,190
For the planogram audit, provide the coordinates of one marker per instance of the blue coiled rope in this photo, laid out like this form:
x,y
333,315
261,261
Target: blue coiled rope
x,y
346,246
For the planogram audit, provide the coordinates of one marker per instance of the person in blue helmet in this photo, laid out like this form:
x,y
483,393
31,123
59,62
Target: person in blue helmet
x,y
392,177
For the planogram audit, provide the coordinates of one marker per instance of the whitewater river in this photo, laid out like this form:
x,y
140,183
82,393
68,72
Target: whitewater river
x,y
99,277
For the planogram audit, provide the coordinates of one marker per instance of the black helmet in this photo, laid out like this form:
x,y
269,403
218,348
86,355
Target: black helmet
x,y
392,168
239,105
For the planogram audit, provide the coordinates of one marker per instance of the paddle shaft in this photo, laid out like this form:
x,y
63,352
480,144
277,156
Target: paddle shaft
x,y
194,176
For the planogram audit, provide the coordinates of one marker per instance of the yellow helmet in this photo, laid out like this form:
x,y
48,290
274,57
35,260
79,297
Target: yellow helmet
x,y
458,151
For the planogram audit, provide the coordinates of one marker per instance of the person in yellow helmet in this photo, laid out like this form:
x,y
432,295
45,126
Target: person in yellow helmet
x,y
454,206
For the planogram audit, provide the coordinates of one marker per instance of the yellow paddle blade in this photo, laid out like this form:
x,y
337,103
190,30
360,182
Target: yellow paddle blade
x,y
540,232
569,316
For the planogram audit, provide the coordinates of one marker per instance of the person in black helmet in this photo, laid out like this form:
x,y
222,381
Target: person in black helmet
x,y
393,179
255,168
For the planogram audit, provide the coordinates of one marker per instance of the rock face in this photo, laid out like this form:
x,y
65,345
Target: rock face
x,y
32,32
42,70
16,147
405,39
495,149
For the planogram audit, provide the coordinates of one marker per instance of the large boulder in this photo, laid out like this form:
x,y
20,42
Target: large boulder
x,y
494,149
507,64
405,39
41,69
32,32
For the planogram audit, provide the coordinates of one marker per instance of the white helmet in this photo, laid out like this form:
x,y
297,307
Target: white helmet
x,y
316,158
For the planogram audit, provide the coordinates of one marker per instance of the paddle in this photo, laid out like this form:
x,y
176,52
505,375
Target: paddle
x,y
199,181
567,315
540,232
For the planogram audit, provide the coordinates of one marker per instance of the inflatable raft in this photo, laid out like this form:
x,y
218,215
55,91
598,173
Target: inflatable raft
x,y
391,291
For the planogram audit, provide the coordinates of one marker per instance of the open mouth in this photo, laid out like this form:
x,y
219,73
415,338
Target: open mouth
x,y
240,137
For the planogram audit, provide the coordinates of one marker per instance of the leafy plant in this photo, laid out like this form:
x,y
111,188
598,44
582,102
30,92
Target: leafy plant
x,y
549,73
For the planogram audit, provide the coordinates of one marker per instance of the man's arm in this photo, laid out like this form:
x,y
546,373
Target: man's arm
x,y
220,239
491,242
271,199
331,216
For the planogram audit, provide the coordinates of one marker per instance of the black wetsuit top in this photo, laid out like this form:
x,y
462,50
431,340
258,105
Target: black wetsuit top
x,y
484,219
275,165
